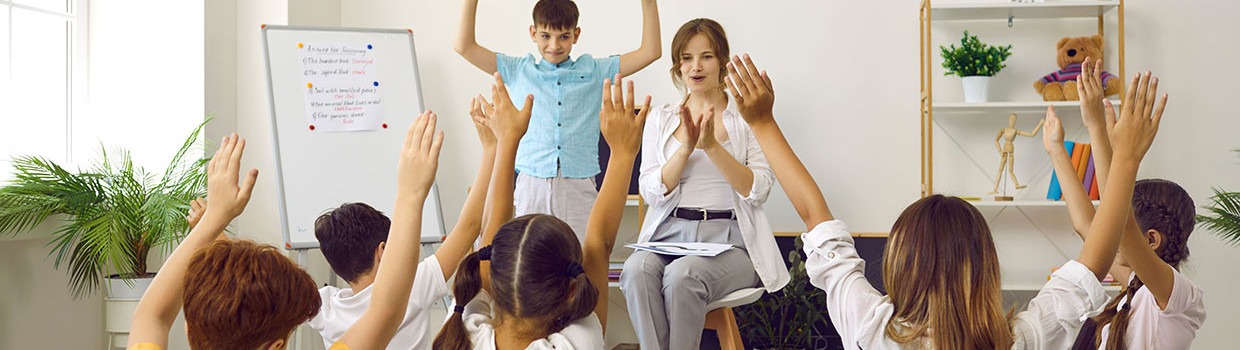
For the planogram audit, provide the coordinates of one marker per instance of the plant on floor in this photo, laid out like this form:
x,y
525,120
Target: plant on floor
x,y
784,319
113,215
1224,217
974,58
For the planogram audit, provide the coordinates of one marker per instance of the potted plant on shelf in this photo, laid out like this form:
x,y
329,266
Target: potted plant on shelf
x,y
1224,218
974,62
785,319
113,215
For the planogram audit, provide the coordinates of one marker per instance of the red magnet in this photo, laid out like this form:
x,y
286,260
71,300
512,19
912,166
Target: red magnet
x,y
312,127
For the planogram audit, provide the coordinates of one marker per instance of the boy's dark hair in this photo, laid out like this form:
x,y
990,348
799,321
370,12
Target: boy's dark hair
x,y
556,14
532,259
348,236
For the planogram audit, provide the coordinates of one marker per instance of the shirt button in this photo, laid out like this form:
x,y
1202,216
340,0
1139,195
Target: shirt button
x,y
557,147
558,103
559,124
830,255
557,83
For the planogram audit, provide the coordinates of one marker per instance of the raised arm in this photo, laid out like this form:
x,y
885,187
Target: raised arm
x,y
651,48
159,306
736,173
467,46
622,129
1133,133
1089,88
755,98
419,159
509,125
469,225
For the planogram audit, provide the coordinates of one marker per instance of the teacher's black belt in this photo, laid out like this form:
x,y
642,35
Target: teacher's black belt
x,y
698,214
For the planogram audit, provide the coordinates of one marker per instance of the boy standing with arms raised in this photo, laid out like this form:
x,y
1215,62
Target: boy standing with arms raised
x,y
558,157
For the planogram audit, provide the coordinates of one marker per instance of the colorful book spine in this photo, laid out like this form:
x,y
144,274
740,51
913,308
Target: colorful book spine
x,y
1081,162
1089,174
1055,192
1093,188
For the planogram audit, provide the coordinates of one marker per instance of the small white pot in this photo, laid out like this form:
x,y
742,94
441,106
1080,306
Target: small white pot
x,y
119,289
976,88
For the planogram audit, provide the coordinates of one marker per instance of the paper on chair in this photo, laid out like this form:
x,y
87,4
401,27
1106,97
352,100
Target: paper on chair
x,y
682,248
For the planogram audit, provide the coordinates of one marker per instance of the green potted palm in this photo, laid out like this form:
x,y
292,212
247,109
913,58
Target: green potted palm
x,y
974,62
1224,217
111,216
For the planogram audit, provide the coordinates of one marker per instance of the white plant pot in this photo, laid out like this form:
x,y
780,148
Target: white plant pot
x,y
121,290
976,88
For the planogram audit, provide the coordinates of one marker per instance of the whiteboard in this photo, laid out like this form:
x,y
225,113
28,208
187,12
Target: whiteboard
x,y
341,100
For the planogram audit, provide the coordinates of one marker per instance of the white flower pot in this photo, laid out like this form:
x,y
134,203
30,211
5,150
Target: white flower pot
x,y
975,88
119,289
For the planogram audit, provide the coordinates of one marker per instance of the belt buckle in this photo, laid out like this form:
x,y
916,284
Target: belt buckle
x,y
705,214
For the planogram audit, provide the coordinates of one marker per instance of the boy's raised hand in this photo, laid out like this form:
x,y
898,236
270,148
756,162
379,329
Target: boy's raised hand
x,y
752,89
1089,88
1052,139
226,198
419,158
485,135
506,121
621,128
1134,130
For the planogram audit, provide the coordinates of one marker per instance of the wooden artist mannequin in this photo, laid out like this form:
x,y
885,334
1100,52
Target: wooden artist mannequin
x,y
1008,160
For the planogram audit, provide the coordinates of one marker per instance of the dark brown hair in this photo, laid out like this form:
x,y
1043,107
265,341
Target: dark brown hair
x,y
941,270
1158,205
714,34
530,279
241,295
348,236
556,14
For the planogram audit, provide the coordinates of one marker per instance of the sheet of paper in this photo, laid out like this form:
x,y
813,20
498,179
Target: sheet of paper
x,y
342,86
682,248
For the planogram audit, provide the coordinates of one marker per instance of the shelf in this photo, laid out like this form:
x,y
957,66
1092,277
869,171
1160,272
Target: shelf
x,y
1001,109
632,200
1029,203
966,11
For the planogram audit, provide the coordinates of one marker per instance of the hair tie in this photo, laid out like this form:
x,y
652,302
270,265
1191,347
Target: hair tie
x,y
574,269
484,254
460,309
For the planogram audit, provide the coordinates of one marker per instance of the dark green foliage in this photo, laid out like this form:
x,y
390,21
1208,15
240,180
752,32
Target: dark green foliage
x,y
974,58
113,215
784,319
1224,218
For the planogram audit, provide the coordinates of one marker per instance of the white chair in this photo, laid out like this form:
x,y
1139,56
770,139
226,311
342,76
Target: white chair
x,y
721,319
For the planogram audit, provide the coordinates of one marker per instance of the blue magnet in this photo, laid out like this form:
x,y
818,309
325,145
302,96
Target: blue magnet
x,y
368,47
376,83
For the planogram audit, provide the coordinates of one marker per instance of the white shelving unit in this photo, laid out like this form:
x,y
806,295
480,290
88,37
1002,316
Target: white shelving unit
x,y
1035,203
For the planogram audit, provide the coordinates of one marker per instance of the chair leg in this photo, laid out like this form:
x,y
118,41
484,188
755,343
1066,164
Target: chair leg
x,y
723,322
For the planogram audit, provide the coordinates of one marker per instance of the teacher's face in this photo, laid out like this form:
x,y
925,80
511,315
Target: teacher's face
x,y
699,65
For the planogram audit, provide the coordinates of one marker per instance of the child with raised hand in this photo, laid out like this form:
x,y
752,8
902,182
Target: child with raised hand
x,y
352,239
940,266
1160,308
533,285
244,295
558,158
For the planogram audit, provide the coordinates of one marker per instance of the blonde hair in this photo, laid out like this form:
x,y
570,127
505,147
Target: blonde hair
x,y
941,272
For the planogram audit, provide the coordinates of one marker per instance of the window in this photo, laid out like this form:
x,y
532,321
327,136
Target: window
x,y
42,77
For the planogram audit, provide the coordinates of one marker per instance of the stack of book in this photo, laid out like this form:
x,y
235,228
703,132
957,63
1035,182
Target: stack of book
x,y
1083,163
613,271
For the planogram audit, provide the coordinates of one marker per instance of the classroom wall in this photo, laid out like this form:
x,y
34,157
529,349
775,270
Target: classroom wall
x,y
846,81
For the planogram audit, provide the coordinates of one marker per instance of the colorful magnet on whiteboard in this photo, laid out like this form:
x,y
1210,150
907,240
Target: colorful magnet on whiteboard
x,y
309,85
288,245
376,83
311,127
385,125
410,31
299,45
263,26
368,47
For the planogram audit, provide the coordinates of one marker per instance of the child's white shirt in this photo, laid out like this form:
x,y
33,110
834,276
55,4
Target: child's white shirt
x,y
342,307
1171,328
585,333
860,313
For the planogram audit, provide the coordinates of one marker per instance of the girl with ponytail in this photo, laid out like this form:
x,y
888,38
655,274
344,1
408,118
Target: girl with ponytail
x,y
1160,308
533,285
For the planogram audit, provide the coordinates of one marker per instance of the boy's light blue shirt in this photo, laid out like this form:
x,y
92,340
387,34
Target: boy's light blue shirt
x,y
564,130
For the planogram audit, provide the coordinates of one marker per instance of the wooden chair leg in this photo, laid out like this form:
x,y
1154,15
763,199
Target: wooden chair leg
x,y
723,322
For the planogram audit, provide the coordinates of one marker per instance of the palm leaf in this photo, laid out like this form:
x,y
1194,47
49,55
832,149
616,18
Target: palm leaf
x,y
1224,216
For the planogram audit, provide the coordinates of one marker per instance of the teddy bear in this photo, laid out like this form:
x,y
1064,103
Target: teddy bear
x,y
1061,85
